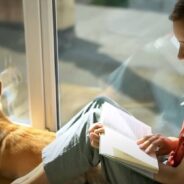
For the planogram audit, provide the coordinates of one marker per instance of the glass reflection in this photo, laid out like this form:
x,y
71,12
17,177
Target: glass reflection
x,y
126,53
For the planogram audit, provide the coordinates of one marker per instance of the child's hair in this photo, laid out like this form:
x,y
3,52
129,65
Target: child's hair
x,y
178,11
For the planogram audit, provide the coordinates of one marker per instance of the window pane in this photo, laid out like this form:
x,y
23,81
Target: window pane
x,y
122,50
13,71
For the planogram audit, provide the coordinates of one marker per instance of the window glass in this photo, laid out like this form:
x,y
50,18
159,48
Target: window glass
x,y
124,50
13,73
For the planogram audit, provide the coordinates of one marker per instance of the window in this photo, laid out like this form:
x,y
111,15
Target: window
x,y
13,64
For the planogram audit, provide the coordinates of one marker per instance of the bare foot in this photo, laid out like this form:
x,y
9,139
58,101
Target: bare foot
x,y
36,176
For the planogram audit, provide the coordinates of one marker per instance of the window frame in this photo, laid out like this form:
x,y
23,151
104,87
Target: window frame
x,y
42,62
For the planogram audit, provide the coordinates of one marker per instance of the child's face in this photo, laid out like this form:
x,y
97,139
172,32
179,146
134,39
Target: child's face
x,y
178,27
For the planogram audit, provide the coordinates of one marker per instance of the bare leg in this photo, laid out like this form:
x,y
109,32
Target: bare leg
x,y
36,176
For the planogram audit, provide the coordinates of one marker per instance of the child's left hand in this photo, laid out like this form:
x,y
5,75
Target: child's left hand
x,y
94,134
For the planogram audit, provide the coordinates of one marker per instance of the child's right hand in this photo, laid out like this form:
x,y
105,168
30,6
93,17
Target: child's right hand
x,y
94,134
158,143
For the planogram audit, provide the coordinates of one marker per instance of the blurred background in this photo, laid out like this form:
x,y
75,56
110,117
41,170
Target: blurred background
x,y
123,49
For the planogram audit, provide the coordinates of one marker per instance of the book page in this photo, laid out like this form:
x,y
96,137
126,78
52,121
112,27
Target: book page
x,y
118,146
123,122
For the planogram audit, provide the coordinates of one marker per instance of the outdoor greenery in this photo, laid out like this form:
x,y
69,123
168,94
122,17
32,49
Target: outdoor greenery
x,y
111,2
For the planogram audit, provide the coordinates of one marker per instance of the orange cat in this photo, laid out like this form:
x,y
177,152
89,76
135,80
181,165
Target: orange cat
x,y
20,151
20,148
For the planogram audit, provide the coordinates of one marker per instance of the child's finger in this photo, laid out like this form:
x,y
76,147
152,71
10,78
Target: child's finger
x,y
142,140
148,142
95,126
94,136
99,131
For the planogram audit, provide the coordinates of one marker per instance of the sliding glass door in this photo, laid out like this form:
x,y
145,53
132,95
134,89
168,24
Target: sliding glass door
x,y
120,51
100,53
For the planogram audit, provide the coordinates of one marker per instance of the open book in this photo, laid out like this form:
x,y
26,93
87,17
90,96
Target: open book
x,y
119,141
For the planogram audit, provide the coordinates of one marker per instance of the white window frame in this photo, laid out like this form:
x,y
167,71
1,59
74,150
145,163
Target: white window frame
x,y
41,57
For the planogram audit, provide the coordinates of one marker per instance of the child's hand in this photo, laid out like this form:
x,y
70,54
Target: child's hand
x,y
157,143
94,134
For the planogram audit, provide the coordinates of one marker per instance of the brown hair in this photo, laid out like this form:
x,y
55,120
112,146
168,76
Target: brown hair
x,y
178,11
